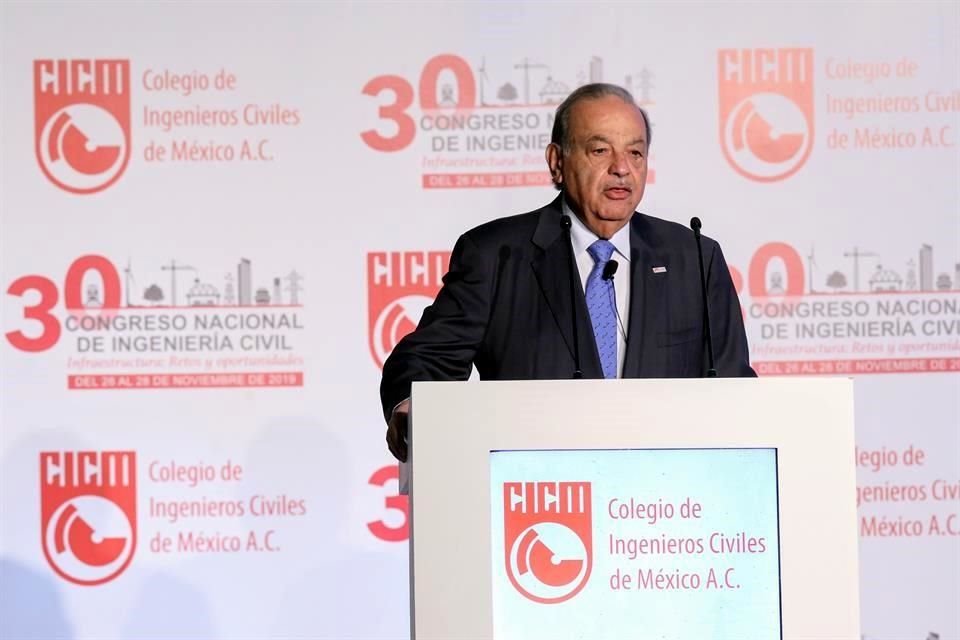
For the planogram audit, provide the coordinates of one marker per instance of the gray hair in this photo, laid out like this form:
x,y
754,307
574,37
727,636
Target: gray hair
x,y
561,122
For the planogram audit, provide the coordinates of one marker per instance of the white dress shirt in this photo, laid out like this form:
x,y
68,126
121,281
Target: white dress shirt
x,y
582,238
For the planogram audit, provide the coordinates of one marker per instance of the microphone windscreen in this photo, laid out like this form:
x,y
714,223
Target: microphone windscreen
x,y
610,269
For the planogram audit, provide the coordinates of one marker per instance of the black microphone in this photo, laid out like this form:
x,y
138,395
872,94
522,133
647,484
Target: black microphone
x,y
695,225
574,283
609,270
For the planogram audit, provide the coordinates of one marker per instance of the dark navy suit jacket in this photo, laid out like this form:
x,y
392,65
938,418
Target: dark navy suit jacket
x,y
506,306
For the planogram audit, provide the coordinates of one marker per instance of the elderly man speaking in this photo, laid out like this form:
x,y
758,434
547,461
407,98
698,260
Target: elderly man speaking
x,y
585,286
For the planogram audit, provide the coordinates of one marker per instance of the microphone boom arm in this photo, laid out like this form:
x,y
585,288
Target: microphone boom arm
x,y
711,370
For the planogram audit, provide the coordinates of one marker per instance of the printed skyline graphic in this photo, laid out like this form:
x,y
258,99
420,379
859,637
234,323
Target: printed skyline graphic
x,y
177,284
861,270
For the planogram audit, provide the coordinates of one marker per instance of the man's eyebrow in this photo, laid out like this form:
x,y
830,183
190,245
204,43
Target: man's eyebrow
x,y
600,138
597,138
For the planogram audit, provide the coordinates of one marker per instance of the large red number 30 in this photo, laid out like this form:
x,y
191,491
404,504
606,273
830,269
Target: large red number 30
x,y
396,111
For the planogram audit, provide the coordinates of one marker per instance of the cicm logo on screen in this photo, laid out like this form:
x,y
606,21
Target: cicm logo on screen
x,y
400,285
82,121
766,110
548,538
88,512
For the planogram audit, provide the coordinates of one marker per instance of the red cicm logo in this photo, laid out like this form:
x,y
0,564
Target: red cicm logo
x,y
400,285
548,538
82,121
766,110
88,511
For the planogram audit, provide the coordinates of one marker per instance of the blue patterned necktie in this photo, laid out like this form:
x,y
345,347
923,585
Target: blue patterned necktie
x,y
600,304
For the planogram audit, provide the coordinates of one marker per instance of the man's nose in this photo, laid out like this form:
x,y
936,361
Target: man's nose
x,y
618,164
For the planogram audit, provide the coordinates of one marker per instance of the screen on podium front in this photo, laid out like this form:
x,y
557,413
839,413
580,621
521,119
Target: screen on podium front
x,y
652,543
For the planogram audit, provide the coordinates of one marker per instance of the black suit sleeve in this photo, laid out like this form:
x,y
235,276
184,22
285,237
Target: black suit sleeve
x,y
446,341
730,351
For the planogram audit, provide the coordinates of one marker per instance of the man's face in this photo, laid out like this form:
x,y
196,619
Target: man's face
x,y
604,171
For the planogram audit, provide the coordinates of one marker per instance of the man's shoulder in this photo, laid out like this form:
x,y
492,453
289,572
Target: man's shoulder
x,y
519,227
663,233
506,224
660,227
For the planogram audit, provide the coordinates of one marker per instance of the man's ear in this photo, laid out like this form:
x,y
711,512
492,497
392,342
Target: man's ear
x,y
554,155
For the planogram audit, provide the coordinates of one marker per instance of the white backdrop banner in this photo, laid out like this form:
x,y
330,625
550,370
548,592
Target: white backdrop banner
x,y
217,219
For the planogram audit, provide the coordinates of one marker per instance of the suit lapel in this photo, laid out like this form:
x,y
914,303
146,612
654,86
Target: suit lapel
x,y
551,266
647,298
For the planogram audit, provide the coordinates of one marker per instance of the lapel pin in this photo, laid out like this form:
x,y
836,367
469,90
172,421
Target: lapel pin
x,y
659,269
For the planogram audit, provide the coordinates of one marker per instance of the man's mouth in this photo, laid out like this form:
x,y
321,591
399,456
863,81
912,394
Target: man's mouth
x,y
617,193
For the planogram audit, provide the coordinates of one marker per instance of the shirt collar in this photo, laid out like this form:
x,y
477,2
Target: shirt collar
x,y
582,237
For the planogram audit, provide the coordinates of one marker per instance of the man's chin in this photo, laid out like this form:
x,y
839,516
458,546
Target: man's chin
x,y
618,213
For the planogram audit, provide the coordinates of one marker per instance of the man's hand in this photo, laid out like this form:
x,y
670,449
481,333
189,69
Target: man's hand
x,y
397,431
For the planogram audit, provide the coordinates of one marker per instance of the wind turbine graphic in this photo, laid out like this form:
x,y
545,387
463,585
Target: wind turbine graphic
x,y
130,281
811,265
483,79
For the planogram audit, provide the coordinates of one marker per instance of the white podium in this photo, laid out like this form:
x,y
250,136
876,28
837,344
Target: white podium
x,y
594,509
